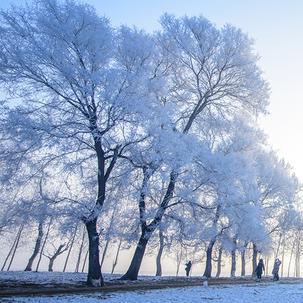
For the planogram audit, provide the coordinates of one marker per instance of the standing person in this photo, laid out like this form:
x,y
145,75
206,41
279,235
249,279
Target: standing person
x,y
260,268
275,270
188,267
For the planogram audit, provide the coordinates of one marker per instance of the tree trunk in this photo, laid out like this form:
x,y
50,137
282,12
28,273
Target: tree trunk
x,y
51,264
36,248
254,259
290,258
233,264
52,259
133,270
243,261
298,257
84,262
159,255
179,260
15,248
12,247
266,265
94,276
116,257
70,249
146,230
283,258
104,252
219,263
279,245
108,234
233,258
80,251
43,245
208,265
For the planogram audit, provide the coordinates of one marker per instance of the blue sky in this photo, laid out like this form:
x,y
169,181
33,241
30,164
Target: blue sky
x,y
276,27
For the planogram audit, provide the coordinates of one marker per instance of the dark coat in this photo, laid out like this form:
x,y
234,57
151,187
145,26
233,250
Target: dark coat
x,y
188,266
260,268
276,267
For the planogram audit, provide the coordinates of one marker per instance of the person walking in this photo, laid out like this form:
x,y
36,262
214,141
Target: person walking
x,y
260,268
275,270
188,268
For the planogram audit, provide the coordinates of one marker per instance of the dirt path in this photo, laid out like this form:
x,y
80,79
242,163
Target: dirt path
x,y
14,288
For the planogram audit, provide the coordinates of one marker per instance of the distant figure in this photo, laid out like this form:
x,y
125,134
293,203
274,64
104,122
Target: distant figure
x,y
275,270
188,268
260,268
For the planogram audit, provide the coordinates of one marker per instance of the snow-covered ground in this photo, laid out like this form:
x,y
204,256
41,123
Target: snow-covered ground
x,y
281,292
263,293
43,277
70,278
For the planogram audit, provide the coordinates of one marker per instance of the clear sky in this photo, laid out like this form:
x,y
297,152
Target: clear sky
x,y
277,28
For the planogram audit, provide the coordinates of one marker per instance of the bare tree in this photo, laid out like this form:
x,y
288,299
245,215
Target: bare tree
x,y
81,85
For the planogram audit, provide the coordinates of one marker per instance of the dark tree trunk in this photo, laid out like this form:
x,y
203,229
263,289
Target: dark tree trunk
x,y
254,259
208,265
52,259
116,257
80,251
70,249
43,245
159,255
219,262
36,248
51,264
133,270
94,276
147,230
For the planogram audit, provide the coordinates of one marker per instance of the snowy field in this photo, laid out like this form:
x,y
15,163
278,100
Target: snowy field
x,y
71,278
288,291
267,293
43,277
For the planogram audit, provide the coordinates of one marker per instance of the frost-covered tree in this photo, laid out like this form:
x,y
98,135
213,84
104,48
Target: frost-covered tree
x,y
212,74
75,82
